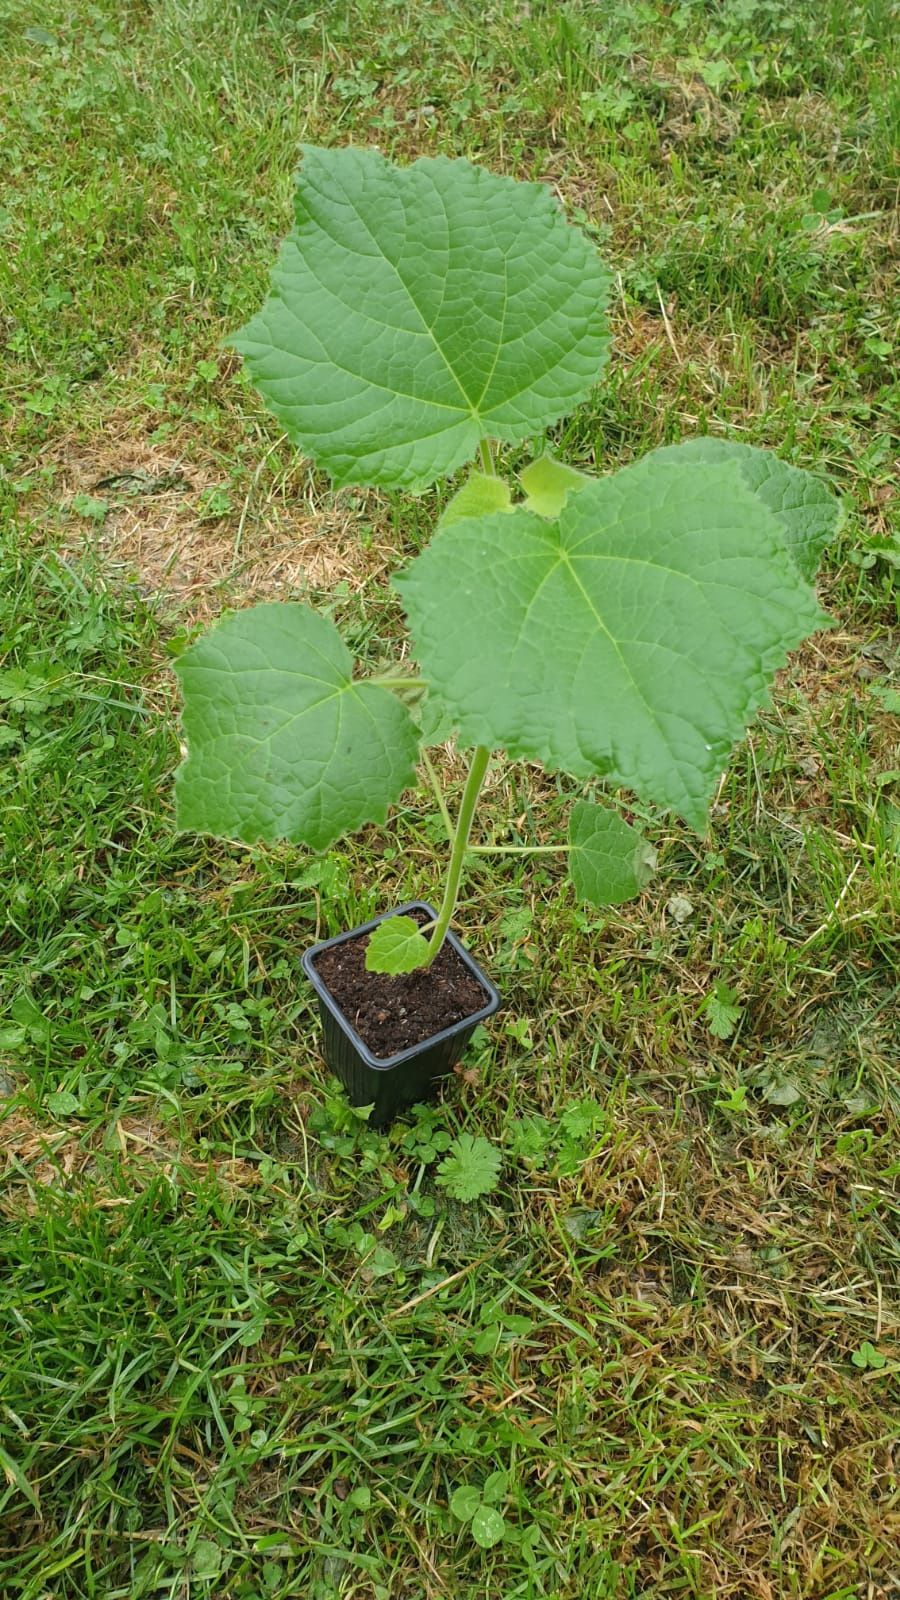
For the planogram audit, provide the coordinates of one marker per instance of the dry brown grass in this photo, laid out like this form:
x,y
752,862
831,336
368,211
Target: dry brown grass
x,y
137,1149
284,541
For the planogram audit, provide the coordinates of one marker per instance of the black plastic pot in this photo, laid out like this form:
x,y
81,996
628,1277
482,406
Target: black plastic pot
x,y
388,1083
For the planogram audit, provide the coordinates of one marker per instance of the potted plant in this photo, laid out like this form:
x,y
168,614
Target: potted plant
x,y
622,628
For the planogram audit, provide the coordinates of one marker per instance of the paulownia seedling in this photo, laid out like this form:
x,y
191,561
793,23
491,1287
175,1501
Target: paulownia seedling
x,y
622,628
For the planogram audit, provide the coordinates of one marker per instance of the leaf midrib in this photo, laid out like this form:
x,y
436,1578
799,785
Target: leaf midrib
x,y
469,405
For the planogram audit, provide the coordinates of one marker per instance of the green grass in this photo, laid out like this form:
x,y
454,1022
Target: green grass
x,y
249,1349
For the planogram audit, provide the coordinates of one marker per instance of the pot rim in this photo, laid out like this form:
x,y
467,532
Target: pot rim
x,y
386,1063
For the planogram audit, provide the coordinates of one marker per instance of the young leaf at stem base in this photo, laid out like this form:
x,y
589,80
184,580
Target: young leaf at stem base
x,y
609,861
396,945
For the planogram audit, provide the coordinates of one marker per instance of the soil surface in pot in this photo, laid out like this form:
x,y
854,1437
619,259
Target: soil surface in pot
x,y
393,1013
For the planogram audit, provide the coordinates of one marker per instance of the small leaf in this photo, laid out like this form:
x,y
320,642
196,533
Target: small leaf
x,y
465,1503
887,697
381,1263
396,945
24,1011
481,494
868,1356
520,1327
90,506
495,1487
548,484
418,310
582,1119
207,1559
887,546
62,1104
781,1092
283,742
529,1138
581,1221
609,861
722,1012
471,1168
488,1340
434,722
570,1156
680,909
488,1527
736,1101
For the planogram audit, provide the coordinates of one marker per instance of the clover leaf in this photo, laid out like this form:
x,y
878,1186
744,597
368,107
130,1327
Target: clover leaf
x,y
488,1526
474,1506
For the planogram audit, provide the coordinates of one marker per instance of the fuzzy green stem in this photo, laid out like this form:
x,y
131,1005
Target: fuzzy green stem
x,y
479,767
487,460
517,849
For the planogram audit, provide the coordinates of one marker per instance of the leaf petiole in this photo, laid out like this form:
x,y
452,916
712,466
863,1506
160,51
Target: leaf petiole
x,y
518,849
438,795
398,683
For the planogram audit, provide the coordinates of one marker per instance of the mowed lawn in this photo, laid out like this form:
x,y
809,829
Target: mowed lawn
x,y
249,1349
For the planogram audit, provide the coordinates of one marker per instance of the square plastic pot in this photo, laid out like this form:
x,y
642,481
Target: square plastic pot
x,y
390,1083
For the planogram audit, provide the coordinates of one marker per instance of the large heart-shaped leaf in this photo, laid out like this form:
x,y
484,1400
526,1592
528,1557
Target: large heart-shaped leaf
x,y
809,513
633,637
415,311
282,743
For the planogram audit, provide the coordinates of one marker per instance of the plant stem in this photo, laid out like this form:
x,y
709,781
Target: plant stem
x,y
517,849
479,767
398,683
439,796
487,460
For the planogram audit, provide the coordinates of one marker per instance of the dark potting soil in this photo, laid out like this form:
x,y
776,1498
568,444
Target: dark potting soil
x,y
394,1013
